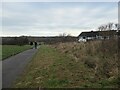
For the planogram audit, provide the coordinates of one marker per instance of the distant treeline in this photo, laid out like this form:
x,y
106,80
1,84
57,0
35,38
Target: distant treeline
x,y
15,40
23,40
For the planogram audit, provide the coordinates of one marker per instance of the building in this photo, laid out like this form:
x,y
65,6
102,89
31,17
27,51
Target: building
x,y
96,35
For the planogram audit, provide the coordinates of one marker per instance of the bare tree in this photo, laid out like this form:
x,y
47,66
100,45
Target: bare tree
x,y
103,28
116,26
106,27
99,28
62,35
110,26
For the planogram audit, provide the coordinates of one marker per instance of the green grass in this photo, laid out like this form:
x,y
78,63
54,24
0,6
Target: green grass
x,y
10,50
0,52
52,69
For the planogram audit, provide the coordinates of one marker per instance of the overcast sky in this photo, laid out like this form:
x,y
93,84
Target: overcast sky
x,y
51,19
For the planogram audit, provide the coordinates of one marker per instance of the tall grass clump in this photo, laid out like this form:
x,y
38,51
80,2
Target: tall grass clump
x,y
100,56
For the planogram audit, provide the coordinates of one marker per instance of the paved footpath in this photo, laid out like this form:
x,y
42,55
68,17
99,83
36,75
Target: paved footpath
x,y
14,66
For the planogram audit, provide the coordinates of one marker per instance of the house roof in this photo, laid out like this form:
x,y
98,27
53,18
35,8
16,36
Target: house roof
x,y
89,34
101,33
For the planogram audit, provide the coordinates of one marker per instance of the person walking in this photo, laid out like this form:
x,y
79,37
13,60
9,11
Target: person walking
x,y
35,43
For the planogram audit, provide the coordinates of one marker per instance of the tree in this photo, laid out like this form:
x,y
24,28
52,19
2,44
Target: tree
x,y
63,35
110,26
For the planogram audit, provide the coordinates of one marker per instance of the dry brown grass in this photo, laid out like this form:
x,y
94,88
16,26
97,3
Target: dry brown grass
x,y
102,56
76,65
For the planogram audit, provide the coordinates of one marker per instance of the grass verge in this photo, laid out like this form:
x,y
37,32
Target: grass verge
x,y
50,68
10,50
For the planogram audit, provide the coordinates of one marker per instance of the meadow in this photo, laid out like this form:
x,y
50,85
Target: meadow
x,y
74,65
10,50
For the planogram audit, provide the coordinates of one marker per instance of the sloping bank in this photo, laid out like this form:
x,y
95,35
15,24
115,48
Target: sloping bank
x,y
52,69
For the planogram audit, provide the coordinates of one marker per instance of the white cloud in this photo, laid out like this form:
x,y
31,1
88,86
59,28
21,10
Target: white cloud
x,y
36,20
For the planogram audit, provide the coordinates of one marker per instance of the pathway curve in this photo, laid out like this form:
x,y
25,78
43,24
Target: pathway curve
x,y
14,66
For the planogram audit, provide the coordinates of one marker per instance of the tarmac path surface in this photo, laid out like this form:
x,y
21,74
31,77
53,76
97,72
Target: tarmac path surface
x,y
12,67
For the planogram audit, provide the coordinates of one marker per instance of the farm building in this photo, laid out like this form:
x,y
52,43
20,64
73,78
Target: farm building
x,y
84,36
96,35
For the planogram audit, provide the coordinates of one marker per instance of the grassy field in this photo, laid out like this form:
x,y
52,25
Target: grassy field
x,y
75,65
0,52
10,50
